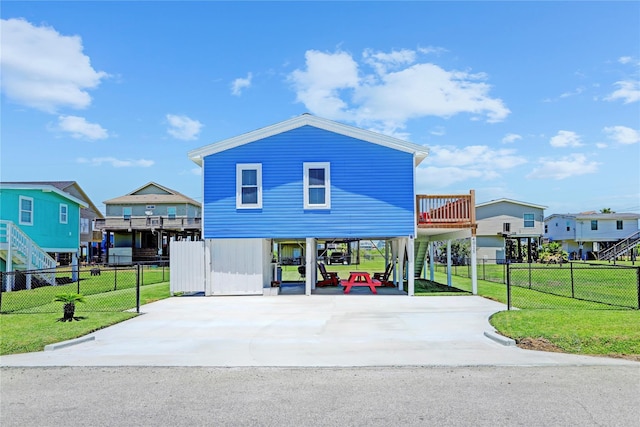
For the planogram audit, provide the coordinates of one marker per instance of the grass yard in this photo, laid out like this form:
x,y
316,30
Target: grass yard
x,y
568,325
23,333
110,284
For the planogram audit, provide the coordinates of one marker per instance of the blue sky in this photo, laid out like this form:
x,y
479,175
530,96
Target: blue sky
x,y
538,102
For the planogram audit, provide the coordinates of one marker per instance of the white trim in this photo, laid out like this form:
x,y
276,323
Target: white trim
x,y
240,167
420,152
516,202
44,189
327,184
20,210
66,213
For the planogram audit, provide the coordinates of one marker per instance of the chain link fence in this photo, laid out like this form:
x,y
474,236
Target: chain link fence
x,y
105,288
491,270
539,285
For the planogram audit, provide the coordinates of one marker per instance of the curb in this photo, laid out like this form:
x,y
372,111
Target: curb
x,y
69,343
500,339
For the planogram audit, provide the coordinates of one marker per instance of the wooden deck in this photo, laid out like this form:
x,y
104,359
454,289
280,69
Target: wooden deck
x,y
446,211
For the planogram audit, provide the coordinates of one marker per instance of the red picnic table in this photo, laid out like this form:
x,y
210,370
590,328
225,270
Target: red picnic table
x,y
359,278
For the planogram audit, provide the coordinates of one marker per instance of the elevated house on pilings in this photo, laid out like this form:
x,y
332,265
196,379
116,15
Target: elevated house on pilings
x,y
310,182
139,225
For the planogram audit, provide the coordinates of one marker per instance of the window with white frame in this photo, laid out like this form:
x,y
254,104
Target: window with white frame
x,y
317,186
529,220
619,224
249,186
64,213
26,210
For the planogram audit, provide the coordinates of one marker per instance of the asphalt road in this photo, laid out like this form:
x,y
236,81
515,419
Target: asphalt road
x,y
385,396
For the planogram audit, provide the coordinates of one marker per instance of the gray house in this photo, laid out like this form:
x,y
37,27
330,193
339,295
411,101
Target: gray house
x,y
509,230
140,224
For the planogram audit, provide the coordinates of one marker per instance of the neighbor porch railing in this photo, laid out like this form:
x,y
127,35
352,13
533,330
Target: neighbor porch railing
x,y
146,222
446,211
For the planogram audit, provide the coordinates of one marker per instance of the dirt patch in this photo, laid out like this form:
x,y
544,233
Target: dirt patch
x,y
540,344
543,344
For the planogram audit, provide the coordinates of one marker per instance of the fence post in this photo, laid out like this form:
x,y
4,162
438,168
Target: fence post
x,y
78,277
508,276
115,277
138,290
529,275
572,286
638,280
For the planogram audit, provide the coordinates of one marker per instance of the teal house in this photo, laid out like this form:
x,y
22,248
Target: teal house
x,y
39,224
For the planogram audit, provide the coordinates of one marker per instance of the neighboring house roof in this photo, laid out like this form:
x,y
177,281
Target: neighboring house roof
x,y
66,187
42,187
590,216
420,152
161,195
517,202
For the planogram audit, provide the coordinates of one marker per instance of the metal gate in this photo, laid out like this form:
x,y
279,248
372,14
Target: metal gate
x,y
187,266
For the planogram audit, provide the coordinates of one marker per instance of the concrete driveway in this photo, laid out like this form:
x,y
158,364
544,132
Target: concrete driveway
x,y
304,331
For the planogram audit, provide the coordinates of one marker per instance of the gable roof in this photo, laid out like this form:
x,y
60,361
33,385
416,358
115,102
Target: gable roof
x,y
159,194
516,202
595,215
44,188
68,187
420,152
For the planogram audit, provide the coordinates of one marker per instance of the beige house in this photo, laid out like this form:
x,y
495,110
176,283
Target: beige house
x,y
509,230
140,224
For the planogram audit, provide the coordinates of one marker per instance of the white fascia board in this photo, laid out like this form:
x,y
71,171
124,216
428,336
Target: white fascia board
x,y
420,152
516,202
45,188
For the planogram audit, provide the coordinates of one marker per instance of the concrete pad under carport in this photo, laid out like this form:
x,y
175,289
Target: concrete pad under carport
x,y
304,331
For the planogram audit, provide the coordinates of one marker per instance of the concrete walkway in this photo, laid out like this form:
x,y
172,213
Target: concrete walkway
x,y
304,331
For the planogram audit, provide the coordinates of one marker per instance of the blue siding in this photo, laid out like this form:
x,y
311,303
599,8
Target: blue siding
x,y
372,190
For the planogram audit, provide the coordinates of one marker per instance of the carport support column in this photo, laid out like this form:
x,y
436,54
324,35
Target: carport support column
x,y
449,262
410,267
394,260
474,265
432,262
310,273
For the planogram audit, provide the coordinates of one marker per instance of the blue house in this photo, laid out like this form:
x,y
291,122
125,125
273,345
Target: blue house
x,y
37,222
307,180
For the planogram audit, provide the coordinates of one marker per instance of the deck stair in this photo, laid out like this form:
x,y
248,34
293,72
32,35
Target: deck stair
x,y
421,248
23,254
620,248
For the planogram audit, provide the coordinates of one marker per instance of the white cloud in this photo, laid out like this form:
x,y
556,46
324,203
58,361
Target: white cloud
x,y
565,167
182,127
601,145
239,84
511,137
79,128
622,134
625,59
438,131
116,163
628,91
565,138
43,69
390,88
448,165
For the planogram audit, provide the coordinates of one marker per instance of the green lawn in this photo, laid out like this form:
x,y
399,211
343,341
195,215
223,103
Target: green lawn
x,y
31,332
109,284
571,325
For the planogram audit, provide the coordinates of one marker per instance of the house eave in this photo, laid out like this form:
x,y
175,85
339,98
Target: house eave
x,y
419,152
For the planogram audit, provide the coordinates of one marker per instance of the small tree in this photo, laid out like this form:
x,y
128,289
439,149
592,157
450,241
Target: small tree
x,y
69,308
552,253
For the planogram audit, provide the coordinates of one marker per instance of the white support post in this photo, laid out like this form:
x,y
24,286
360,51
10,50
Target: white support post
x,y
432,262
309,270
474,267
29,265
11,276
410,267
449,263
394,260
74,266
